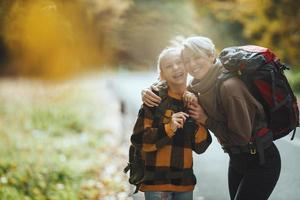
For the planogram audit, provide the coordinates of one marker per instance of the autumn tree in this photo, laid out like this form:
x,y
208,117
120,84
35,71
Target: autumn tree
x,y
270,23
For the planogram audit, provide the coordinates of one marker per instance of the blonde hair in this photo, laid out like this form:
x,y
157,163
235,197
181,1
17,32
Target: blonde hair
x,y
199,44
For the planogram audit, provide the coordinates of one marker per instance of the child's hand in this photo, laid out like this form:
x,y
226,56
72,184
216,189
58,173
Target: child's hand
x,y
178,120
189,98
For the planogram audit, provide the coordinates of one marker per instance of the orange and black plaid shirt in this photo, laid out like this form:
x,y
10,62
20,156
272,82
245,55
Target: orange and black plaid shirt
x,y
165,152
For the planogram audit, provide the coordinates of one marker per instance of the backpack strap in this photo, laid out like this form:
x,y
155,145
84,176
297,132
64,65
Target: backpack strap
x,y
127,168
223,77
158,112
294,132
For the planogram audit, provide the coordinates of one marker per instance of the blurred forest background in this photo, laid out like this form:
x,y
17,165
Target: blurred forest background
x,y
53,135
53,38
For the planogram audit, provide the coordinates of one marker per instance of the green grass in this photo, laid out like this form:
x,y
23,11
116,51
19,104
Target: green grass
x,y
294,80
51,146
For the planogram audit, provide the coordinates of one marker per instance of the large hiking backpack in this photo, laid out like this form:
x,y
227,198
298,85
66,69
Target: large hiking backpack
x,y
263,74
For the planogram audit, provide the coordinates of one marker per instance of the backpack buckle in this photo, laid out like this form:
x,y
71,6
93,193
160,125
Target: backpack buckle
x,y
252,148
126,169
252,151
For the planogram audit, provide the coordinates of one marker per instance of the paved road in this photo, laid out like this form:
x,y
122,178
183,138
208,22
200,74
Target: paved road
x,y
211,167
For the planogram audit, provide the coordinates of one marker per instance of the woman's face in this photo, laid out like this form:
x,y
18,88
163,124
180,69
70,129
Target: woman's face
x,y
197,64
173,69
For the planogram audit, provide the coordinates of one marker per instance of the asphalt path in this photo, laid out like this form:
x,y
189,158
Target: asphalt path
x,y
210,167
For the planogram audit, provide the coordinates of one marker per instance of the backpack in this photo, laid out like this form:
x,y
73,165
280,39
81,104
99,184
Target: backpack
x,y
135,167
263,74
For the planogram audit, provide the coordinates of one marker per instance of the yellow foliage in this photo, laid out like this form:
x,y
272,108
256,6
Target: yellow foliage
x,y
274,24
55,39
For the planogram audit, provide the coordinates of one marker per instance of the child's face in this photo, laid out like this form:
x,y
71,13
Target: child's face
x,y
172,68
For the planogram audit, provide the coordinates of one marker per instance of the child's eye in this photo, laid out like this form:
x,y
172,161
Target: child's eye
x,y
168,66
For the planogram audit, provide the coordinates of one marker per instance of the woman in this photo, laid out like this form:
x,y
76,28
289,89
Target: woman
x,y
233,121
167,136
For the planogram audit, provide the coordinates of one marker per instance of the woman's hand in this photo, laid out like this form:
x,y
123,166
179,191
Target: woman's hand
x,y
189,97
149,98
178,120
197,113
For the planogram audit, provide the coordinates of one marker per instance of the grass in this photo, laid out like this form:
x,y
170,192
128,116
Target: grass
x,y
294,80
52,146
